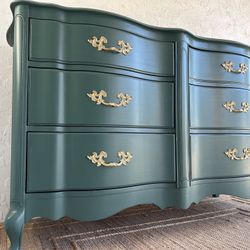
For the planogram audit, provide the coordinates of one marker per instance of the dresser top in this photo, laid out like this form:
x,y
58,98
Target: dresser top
x,y
107,19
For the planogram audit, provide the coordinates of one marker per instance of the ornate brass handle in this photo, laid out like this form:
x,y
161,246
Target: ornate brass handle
x,y
98,98
98,159
124,48
228,66
231,154
230,106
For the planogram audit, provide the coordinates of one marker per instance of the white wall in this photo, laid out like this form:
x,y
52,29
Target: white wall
x,y
226,19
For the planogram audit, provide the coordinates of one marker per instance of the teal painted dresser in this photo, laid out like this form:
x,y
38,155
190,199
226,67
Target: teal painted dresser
x,y
109,113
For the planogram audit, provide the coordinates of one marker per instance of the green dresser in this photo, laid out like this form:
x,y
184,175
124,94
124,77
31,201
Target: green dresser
x,y
109,113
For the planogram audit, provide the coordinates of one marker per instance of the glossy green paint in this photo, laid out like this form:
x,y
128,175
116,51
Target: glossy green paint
x,y
14,221
207,110
182,117
47,71
58,161
68,103
146,56
209,159
206,66
93,206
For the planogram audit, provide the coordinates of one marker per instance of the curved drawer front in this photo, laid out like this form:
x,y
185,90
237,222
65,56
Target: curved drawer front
x,y
67,98
219,108
59,161
219,156
207,66
68,43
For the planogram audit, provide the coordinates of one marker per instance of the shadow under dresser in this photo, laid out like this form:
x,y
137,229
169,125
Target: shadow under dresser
x,y
109,113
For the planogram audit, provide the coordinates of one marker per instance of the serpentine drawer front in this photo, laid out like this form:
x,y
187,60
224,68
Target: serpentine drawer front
x,y
98,98
219,107
109,113
219,67
220,156
77,48
75,171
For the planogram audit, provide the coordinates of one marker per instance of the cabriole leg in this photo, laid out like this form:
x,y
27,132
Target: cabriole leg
x,y
14,223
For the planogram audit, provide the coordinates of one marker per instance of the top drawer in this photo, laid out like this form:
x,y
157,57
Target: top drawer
x,y
208,66
52,40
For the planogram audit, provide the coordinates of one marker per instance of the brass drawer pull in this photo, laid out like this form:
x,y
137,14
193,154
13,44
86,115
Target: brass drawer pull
x,y
98,159
124,48
228,66
231,154
230,106
98,98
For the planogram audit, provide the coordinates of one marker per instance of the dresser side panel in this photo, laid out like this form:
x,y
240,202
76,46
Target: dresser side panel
x,y
18,148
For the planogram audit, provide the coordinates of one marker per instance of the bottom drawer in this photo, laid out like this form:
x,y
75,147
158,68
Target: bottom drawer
x,y
59,161
220,156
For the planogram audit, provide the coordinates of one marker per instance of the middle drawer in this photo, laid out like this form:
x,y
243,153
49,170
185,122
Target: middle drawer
x,y
219,108
85,161
57,97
